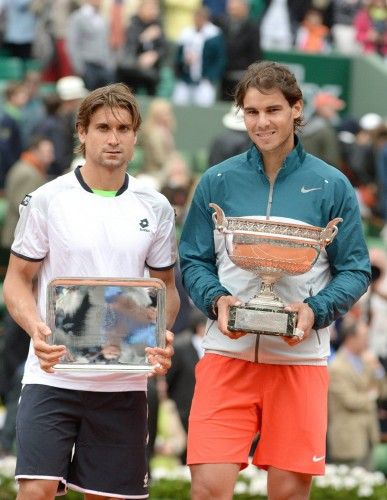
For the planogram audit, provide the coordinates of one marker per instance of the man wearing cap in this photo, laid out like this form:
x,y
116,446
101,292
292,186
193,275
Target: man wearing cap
x,y
319,136
233,141
71,90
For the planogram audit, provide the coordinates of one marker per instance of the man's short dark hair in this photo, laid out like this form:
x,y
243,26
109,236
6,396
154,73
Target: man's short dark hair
x,y
266,76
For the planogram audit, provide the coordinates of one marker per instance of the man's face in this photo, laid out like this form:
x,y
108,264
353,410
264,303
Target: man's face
x,y
45,153
269,120
110,138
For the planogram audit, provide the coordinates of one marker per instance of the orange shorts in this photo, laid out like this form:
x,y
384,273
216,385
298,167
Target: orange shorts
x,y
235,399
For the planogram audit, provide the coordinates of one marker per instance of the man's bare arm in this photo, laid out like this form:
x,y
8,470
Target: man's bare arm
x,y
21,304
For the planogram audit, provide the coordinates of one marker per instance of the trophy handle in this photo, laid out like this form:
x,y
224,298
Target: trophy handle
x,y
218,217
328,234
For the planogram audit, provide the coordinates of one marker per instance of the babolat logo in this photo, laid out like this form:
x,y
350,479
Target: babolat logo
x,y
144,224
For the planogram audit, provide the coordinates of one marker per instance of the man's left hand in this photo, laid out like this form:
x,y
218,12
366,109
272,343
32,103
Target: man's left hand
x,y
160,358
305,322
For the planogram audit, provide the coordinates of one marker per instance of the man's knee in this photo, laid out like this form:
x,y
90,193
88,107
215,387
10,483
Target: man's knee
x,y
215,481
36,489
286,485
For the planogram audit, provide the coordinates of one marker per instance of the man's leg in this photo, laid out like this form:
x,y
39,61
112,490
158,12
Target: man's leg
x,y
213,481
287,485
37,489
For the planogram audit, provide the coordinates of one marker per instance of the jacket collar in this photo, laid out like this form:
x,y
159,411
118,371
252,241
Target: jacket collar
x,y
292,162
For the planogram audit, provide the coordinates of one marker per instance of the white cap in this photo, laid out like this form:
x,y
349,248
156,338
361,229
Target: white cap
x,y
234,119
370,121
71,87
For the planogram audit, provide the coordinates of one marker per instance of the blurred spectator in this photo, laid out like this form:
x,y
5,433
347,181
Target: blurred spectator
x,y
319,136
276,29
357,379
33,110
233,141
375,312
242,44
51,125
13,353
374,304
200,62
117,24
144,49
181,376
371,27
26,175
88,45
55,24
381,169
71,90
343,30
20,24
11,147
312,35
178,16
362,163
217,9
157,137
177,186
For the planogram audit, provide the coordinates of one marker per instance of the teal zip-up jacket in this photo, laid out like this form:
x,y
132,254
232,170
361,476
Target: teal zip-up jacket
x,y
307,191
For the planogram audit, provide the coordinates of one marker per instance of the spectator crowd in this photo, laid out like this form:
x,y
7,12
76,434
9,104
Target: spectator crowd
x,y
70,47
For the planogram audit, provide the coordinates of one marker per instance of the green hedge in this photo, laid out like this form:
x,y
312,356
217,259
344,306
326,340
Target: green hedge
x,y
339,483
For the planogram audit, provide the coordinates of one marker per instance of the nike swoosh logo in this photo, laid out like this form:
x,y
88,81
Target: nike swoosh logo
x,y
306,190
318,459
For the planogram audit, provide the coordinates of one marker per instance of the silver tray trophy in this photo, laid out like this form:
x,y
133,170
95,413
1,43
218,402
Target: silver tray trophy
x,y
106,324
270,250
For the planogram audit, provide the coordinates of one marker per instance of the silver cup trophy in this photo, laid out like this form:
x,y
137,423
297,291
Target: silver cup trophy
x,y
270,250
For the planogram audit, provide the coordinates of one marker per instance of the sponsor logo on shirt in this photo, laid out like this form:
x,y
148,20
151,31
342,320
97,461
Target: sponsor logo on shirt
x,y
144,224
26,200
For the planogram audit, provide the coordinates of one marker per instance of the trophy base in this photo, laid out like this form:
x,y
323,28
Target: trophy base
x,y
265,320
104,368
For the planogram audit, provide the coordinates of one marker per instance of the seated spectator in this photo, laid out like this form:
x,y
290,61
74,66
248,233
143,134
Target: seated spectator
x,y
33,110
319,136
343,30
26,175
276,29
200,62
52,126
11,143
381,169
312,35
177,186
157,137
71,90
242,44
88,45
217,9
357,380
361,163
233,141
58,65
371,27
178,16
19,31
144,49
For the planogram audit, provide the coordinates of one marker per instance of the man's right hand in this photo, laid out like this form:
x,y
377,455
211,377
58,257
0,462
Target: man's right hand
x,y
223,305
48,355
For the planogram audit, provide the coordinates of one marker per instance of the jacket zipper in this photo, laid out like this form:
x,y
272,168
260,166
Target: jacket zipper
x,y
257,348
